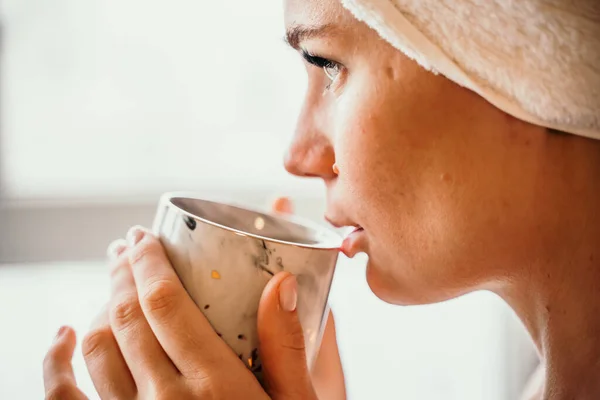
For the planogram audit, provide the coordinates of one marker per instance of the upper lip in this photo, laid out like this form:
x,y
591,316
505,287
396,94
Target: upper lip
x,y
340,223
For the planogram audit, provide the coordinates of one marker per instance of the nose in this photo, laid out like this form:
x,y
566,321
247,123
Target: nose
x,y
311,152
310,156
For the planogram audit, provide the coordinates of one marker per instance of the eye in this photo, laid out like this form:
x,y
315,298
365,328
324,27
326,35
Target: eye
x,y
331,68
332,71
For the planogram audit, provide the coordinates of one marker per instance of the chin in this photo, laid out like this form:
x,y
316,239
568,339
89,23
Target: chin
x,y
406,292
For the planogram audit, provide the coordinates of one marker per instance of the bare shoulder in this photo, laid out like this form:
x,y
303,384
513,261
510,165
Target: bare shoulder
x,y
534,390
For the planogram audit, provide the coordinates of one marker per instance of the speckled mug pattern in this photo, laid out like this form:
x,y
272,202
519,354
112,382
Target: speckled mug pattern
x,y
225,255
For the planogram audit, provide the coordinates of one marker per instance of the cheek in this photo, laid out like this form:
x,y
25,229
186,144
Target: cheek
x,y
382,152
427,180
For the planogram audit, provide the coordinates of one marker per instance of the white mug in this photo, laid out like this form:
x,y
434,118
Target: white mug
x,y
225,255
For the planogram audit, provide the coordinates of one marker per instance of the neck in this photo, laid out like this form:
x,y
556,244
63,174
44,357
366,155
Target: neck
x,y
559,302
565,327
556,288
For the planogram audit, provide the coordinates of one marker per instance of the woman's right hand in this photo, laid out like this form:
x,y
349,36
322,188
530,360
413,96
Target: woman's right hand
x,y
327,373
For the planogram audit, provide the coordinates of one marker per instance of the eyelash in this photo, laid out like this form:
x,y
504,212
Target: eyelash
x,y
320,62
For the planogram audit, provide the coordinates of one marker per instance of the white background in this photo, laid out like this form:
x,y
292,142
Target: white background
x,y
122,97
459,350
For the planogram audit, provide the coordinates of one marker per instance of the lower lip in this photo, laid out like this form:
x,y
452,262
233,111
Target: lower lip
x,y
353,243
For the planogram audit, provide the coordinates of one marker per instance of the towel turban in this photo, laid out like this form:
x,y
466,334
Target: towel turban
x,y
538,60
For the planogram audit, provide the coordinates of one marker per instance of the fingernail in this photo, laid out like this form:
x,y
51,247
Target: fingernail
x,y
116,248
282,205
60,332
288,293
134,236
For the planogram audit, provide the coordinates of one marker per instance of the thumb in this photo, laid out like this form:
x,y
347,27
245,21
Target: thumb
x,y
281,341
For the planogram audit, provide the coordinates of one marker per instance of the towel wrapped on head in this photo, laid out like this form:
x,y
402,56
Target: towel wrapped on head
x,y
538,60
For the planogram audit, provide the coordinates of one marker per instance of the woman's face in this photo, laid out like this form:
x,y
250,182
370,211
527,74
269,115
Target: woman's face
x,y
443,184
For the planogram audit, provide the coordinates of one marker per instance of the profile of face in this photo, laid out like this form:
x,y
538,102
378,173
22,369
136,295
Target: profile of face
x,y
453,194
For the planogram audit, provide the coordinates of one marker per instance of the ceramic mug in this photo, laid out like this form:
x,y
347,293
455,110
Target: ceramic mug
x,y
224,255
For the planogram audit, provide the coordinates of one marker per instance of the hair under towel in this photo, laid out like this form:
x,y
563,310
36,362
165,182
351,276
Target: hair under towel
x,y
538,60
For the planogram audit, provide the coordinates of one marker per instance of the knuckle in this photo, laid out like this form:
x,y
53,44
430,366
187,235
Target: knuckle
x,y
145,249
161,297
207,393
96,341
166,391
61,391
170,395
294,341
125,313
207,390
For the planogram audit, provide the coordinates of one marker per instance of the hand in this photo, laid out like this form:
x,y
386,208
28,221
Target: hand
x,y
327,373
155,343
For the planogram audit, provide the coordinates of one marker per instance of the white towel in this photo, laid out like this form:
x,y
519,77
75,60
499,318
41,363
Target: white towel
x,y
538,60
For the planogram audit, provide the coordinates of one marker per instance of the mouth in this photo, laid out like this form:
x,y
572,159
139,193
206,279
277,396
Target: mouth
x,y
338,223
355,237
354,243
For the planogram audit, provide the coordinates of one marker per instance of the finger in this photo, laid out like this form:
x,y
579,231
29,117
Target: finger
x,y
179,325
105,363
281,341
59,379
327,373
283,205
139,347
116,248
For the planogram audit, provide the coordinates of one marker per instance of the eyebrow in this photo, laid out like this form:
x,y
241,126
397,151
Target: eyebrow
x,y
298,33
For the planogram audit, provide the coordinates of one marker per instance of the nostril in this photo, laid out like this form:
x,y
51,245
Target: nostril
x,y
296,166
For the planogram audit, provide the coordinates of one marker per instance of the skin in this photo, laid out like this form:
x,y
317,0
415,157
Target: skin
x,y
454,196
152,341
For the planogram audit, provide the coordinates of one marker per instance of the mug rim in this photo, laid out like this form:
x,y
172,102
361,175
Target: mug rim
x,y
332,241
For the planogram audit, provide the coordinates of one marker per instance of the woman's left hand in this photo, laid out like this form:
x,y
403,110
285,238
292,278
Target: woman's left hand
x,y
153,342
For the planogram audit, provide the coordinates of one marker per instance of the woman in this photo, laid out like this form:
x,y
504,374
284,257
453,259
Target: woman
x,y
457,181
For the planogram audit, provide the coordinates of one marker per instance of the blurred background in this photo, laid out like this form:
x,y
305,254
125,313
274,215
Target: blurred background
x,y
106,104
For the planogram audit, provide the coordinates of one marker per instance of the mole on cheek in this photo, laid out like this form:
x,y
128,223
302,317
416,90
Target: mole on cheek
x,y
389,72
446,177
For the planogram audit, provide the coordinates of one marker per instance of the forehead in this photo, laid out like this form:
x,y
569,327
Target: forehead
x,y
316,13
